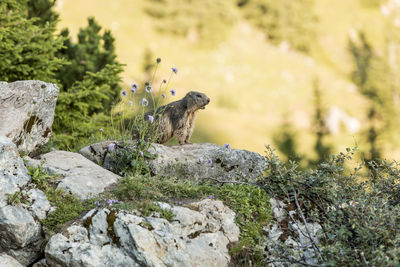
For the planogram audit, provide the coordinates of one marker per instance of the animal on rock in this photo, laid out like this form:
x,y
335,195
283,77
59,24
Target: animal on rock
x,y
176,119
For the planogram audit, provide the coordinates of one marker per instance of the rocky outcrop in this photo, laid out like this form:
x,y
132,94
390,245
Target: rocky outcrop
x,y
192,161
79,175
21,235
27,112
13,173
198,235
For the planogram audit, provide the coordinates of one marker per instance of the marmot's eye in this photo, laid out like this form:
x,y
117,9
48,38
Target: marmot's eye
x,y
198,95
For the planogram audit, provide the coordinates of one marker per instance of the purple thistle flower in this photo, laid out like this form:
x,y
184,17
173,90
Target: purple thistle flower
x,y
134,87
227,146
101,130
109,202
149,88
124,93
173,92
175,70
164,96
209,161
141,153
151,118
180,202
201,160
97,203
144,102
130,102
111,146
211,196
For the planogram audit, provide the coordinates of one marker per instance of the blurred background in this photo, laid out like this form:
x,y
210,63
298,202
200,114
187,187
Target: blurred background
x,y
308,77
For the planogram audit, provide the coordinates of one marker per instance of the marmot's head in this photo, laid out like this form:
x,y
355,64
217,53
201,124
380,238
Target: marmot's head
x,y
195,101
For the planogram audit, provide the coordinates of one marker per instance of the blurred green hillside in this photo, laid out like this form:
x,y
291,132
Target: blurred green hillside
x,y
255,86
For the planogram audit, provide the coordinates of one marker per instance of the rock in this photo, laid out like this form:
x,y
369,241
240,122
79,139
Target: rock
x,y
27,112
40,205
195,237
193,161
21,234
287,231
80,176
41,263
13,173
8,261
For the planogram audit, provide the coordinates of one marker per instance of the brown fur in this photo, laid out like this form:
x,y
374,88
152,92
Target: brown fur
x,y
176,119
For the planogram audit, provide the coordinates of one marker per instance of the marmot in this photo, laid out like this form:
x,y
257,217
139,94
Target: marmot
x,y
176,119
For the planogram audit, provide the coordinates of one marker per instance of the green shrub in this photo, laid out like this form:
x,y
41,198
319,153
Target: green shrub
x,y
356,209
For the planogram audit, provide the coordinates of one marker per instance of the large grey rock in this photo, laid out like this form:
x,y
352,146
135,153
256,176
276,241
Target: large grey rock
x,y
8,261
79,175
27,112
21,235
193,161
195,237
13,174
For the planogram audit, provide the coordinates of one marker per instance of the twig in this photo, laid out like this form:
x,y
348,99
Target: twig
x,y
233,182
306,225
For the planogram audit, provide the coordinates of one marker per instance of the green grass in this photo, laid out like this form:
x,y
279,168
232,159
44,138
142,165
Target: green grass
x,y
68,207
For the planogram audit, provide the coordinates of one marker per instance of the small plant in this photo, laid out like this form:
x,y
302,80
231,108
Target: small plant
x,y
133,121
14,199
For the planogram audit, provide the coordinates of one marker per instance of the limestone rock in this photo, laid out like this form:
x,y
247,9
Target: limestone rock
x,y
192,161
8,261
40,205
21,234
80,176
195,237
13,173
27,112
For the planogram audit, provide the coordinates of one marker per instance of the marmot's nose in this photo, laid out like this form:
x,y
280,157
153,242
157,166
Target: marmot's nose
x,y
208,100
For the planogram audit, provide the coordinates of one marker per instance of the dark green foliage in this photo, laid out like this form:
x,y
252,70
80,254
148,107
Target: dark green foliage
x,y
286,142
209,20
89,87
80,111
42,10
357,212
283,20
27,51
92,53
323,151
371,76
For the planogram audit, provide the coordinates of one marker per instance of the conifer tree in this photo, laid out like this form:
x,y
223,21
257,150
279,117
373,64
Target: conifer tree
x,y
322,150
27,50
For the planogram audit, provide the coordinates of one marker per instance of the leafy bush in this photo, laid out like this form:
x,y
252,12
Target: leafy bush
x,y
283,20
356,209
